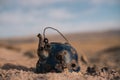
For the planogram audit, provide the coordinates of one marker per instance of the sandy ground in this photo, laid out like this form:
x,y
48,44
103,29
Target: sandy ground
x,y
18,58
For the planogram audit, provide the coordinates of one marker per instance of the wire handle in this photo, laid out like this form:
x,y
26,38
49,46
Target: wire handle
x,y
55,30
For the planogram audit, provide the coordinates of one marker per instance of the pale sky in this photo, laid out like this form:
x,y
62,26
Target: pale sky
x,y
27,17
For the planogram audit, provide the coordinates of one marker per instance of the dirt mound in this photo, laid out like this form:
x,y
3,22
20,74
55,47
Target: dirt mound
x,y
108,57
90,74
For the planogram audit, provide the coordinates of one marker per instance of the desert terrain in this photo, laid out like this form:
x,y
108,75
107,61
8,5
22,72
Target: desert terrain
x,y
100,50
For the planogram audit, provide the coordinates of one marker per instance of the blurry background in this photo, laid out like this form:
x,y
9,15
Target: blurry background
x,y
26,17
91,26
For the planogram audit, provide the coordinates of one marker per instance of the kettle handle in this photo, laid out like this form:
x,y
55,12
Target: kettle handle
x,y
55,30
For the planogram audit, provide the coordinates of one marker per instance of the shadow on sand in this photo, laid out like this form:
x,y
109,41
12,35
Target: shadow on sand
x,y
9,66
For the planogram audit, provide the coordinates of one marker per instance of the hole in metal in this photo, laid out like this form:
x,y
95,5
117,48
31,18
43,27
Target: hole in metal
x,y
73,65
